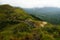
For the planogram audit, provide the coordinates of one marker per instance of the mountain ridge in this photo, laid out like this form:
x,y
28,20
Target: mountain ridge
x,y
17,24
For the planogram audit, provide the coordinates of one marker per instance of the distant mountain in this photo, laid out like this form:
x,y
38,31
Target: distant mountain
x,y
50,14
48,9
44,10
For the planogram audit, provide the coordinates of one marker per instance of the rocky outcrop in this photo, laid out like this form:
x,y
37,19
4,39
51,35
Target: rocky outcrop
x,y
36,23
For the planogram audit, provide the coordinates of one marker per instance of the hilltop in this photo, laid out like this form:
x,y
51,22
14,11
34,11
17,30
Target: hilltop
x,y
17,24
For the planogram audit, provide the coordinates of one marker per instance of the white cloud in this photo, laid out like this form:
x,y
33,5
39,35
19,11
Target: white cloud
x,y
32,3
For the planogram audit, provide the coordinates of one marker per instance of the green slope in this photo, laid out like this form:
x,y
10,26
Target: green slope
x,y
16,24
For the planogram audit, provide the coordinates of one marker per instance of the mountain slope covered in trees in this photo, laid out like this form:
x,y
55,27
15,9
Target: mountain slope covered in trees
x,y
49,14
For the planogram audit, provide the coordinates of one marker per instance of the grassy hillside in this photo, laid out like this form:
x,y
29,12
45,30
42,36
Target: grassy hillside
x,y
16,24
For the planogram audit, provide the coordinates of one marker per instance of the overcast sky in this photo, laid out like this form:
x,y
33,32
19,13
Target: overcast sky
x,y
32,3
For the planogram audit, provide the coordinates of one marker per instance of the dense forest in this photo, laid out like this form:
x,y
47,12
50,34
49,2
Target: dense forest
x,y
17,24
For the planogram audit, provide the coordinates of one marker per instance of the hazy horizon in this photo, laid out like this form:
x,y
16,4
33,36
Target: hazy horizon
x,y
32,3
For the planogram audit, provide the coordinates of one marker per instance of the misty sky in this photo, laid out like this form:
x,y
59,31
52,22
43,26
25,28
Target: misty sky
x,y
32,3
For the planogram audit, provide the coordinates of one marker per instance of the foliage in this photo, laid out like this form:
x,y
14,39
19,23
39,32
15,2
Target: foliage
x,y
16,24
